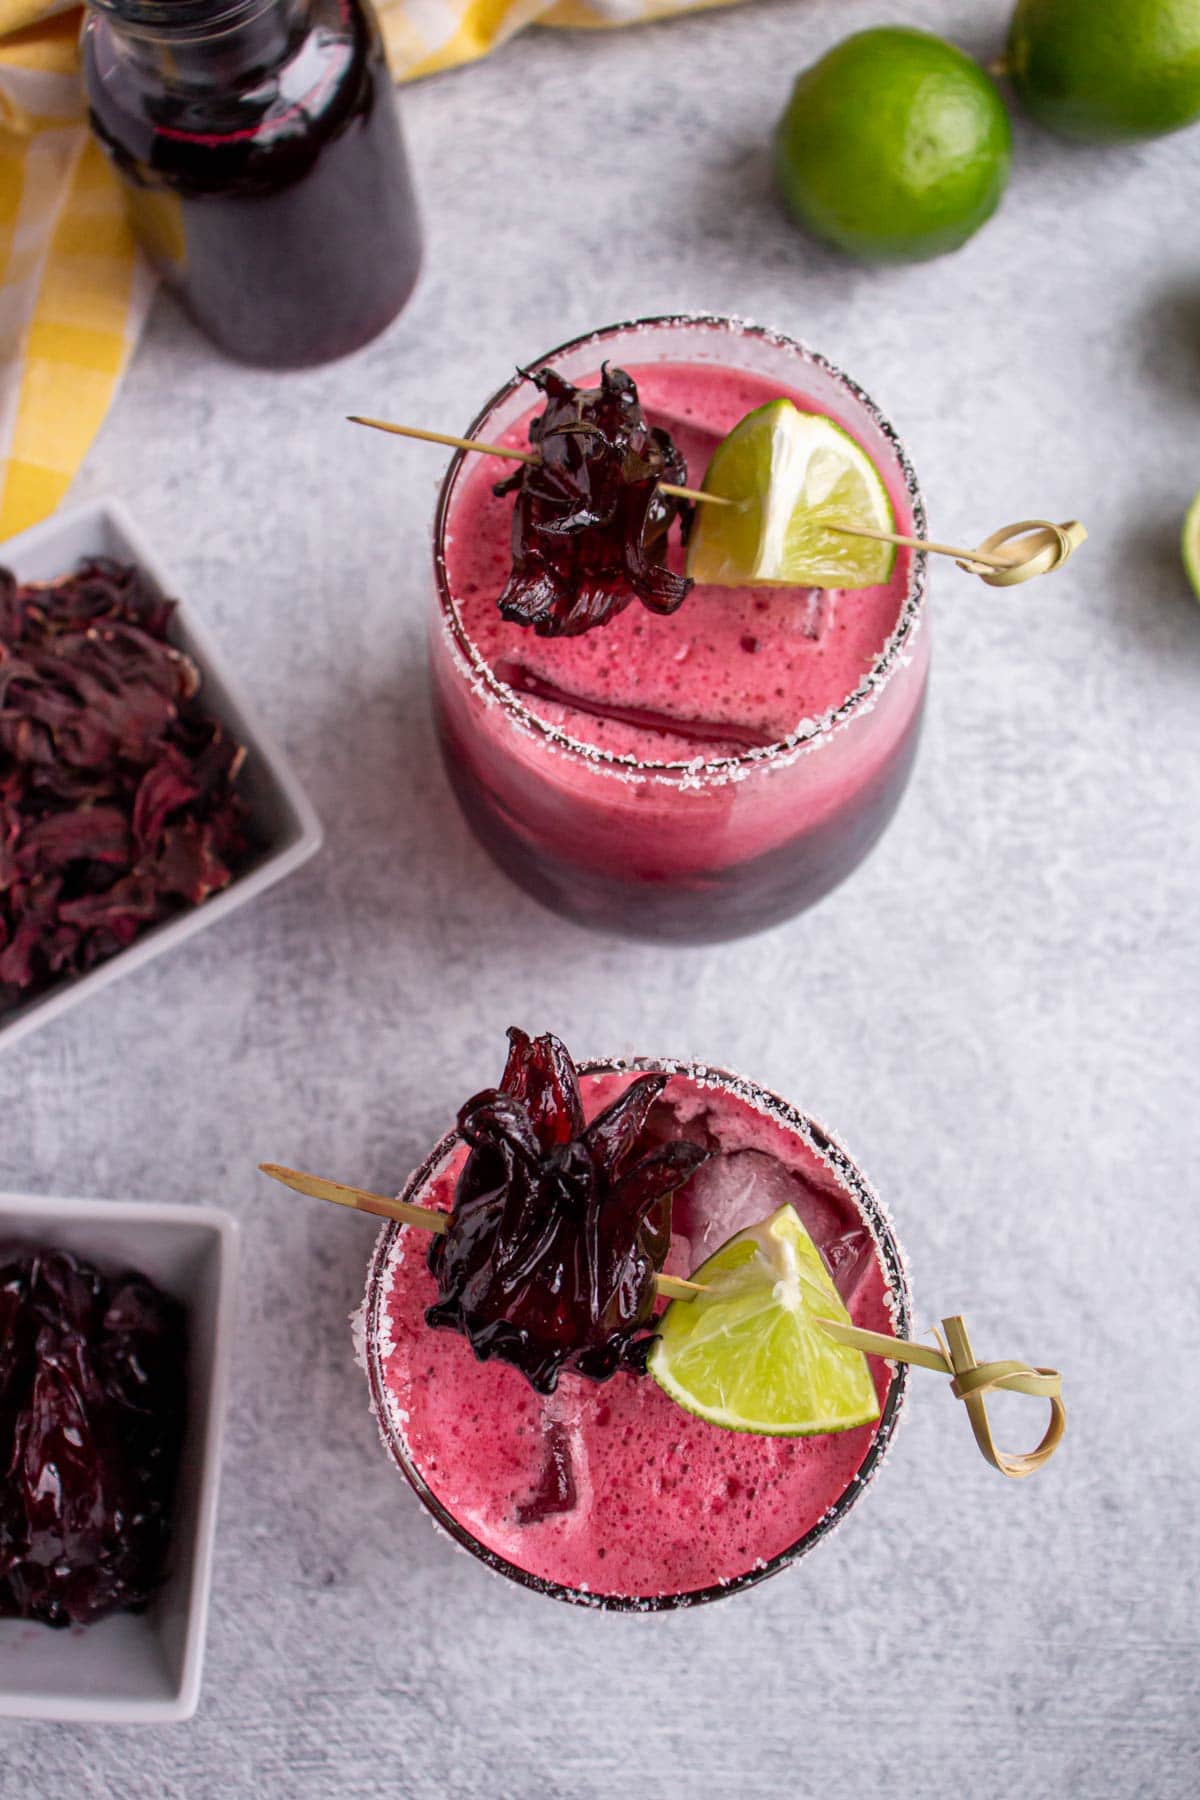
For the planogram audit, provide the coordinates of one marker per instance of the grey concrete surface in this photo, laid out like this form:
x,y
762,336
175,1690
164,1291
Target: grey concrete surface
x,y
998,1013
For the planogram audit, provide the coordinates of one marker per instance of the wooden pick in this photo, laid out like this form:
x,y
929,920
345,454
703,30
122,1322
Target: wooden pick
x,y
525,456
423,1218
1034,546
971,1382
318,1188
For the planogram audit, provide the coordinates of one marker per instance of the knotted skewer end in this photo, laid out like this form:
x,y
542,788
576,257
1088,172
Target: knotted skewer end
x,y
1029,548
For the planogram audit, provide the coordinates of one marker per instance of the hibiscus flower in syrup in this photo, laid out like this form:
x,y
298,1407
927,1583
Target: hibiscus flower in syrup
x,y
559,1227
590,525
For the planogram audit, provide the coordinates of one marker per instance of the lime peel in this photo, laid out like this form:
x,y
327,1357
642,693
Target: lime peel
x,y
750,1353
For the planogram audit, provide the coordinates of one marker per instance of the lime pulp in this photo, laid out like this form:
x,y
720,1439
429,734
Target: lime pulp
x,y
791,477
749,1353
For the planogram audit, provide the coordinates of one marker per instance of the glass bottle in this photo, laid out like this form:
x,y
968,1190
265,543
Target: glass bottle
x,y
259,145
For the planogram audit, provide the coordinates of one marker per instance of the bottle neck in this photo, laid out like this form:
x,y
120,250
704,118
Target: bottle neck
x,y
204,46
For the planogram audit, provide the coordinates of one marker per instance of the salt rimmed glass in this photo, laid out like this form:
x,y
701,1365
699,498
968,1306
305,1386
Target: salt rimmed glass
x,y
711,848
890,1257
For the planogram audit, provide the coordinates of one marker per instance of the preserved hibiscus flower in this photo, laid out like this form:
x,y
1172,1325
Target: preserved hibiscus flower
x,y
558,1227
590,525
92,1396
117,801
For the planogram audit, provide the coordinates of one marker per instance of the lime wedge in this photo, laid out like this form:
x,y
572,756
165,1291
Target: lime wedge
x,y
791,474
1191,544
749,1355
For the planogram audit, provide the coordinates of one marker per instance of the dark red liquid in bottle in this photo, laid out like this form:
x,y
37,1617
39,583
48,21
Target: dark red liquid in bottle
x,y
265,174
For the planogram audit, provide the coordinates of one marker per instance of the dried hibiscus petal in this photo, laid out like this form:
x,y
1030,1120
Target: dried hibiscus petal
x,y
165,787
117,796
187,862
590,524
558,1228
92,834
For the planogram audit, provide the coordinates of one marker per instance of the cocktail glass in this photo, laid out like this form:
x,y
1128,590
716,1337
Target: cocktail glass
x,y
709,845
684,1511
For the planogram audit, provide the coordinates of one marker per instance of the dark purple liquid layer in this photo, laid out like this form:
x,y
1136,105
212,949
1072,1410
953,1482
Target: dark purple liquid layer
x,y
704,906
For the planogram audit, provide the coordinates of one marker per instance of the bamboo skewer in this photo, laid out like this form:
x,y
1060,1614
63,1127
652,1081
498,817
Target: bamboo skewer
x,y
1045,537
1035,546
423,1218
970,1381
513,455
444,437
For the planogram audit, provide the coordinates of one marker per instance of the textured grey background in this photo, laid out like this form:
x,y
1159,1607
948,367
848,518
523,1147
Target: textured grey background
x,y
998,1013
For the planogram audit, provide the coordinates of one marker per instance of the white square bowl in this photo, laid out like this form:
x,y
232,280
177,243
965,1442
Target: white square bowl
x,y
282,819
139,1667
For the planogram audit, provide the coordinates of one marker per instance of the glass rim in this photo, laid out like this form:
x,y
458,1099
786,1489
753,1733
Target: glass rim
x,y
891,1258
694,769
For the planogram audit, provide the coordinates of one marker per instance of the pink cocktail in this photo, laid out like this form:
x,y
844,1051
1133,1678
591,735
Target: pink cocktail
x,y
609,1493
693,776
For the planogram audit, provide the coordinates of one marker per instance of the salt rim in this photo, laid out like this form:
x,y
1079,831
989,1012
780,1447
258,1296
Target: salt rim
x,y
809,734
373,1341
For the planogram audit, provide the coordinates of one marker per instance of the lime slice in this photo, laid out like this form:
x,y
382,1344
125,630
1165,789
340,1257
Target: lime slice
x,y
749,1355
1191,544
791,475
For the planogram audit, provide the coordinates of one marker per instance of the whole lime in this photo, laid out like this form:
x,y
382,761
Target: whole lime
x,y
1107,70
895,146
1191,544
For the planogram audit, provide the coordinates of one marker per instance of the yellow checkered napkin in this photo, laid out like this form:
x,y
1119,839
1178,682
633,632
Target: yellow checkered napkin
x,y
73,289
73,292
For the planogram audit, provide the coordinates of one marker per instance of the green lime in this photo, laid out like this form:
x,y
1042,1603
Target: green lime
x,y
791,474
1191,544
1107,72
749,1354
895,146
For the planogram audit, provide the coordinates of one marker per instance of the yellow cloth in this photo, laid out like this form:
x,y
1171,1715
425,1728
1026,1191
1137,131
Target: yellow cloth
x,y
73,289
